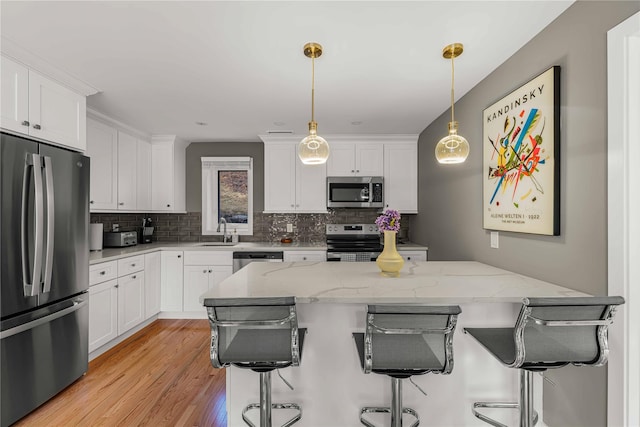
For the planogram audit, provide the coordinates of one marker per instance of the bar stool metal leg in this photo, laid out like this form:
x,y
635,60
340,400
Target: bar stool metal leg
x,y
396,402
528,416
396,410
265,406
265,399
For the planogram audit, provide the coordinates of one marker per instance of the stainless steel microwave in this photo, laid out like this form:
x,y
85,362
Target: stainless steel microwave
x,y
355,192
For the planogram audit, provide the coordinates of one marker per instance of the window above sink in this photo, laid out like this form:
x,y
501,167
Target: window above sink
x,y
227,196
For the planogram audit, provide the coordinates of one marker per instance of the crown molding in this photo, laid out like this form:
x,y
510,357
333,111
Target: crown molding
x,y
101,117
345,138
11,50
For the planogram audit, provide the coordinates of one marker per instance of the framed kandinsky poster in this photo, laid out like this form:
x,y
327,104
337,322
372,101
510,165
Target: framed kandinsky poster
x,y
521,164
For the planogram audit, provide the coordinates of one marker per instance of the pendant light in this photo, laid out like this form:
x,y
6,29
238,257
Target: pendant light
x,y
453,148
313,149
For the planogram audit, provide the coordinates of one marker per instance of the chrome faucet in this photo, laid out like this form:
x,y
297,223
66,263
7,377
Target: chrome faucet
x,y
224,232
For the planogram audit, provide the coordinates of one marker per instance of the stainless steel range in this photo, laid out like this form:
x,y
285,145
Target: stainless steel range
x,y
353,242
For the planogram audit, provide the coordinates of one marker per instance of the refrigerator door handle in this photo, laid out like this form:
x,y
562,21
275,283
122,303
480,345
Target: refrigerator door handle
x,y
33,162
48,264
77,304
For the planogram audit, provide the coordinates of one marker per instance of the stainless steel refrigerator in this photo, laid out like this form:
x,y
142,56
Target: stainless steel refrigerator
x,y
44,272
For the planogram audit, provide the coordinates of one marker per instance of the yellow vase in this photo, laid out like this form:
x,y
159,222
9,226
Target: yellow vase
x,y
389,261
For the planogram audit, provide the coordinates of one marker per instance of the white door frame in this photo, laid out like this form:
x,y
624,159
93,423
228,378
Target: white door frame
x,y
623,70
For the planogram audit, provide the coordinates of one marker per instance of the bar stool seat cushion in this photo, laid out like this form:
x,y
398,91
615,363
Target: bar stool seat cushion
x,y
416,357
261,348
501,344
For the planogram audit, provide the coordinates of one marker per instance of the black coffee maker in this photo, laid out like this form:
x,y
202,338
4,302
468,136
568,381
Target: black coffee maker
x,y
145,233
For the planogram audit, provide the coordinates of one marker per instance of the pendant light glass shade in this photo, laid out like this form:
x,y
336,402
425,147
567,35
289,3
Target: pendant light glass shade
x,y
313,149
453,148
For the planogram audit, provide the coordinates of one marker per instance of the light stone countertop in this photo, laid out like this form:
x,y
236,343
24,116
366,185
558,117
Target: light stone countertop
x,y
111,254
420,282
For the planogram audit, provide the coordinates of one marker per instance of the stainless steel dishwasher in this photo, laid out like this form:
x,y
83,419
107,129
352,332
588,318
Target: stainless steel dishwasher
x,y
241,259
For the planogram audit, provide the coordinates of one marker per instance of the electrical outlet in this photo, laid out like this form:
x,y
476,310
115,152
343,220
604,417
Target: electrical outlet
x,y
494,240
289,228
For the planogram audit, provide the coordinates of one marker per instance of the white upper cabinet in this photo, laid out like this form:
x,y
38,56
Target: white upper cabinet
x,y
168,170
102,148
280,177
14,95
290,185
39,107
127,165
56,113
143,175
355,159
120,166
311,186
401,176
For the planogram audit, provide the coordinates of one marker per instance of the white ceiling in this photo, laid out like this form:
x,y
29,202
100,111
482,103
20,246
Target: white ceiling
x,y
238,65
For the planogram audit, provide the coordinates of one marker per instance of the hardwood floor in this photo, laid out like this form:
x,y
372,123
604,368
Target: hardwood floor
x,y
161,376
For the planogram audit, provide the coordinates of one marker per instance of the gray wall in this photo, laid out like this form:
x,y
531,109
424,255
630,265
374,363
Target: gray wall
x,y
195,150
450,204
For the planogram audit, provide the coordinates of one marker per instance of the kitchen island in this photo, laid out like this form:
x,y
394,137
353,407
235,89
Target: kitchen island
x,y
332,299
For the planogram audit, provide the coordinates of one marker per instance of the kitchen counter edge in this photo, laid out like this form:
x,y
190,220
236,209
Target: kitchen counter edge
x,y
112,254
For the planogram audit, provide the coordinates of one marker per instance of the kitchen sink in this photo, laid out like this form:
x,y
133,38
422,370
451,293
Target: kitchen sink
x,y
219,244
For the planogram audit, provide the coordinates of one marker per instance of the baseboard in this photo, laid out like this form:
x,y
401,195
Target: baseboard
x,y
108,346
182,315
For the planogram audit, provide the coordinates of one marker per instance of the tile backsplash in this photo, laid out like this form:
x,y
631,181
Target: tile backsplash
x,y
267,227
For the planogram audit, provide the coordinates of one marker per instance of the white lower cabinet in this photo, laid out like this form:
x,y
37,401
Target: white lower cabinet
x,y
171,280
103,313
130,301
152,279
116,299
203,270
293,256
413,255
199,279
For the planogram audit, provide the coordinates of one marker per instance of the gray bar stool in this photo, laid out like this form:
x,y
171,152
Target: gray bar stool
x,y
260,334
402,341
549,333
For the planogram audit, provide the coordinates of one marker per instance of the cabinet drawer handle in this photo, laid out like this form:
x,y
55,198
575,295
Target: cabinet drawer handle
x,y
352,170
179,256
116,286
91,202
204,271
121,203
36,126
168,206
133,277
210,271
102,273
133,265
25,123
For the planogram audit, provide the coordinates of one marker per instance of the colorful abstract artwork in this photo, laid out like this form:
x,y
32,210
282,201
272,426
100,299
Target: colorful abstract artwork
x,y
521,147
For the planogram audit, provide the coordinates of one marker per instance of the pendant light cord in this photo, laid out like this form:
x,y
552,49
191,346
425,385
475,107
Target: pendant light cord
x,y
452,55
313,81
